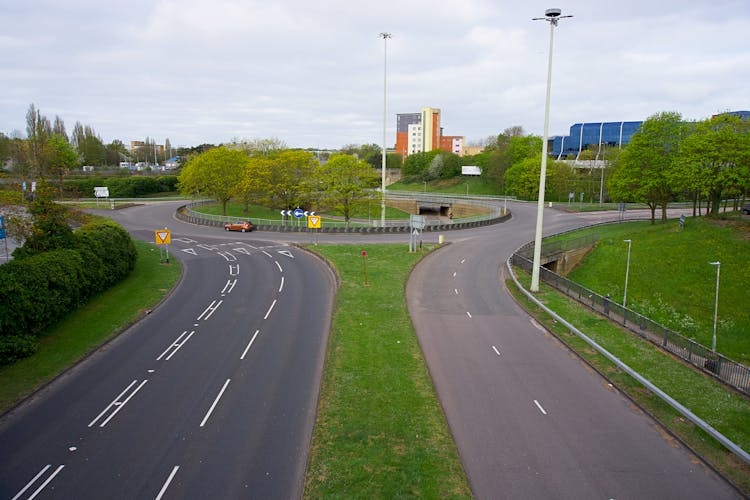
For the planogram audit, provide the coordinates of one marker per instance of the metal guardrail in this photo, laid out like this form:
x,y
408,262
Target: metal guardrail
x,y
523,263
497,212
713,363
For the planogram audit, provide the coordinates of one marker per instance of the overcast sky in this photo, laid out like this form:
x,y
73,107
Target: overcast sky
x,y
311,72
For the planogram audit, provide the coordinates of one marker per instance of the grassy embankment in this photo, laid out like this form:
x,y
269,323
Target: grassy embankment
x,y
85,329
671,280
380,431
456,185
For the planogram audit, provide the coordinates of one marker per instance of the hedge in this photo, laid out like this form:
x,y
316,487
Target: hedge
x,y
122,187
39,290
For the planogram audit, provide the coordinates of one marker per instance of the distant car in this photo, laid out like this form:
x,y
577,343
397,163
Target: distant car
x,y
243,226
746,209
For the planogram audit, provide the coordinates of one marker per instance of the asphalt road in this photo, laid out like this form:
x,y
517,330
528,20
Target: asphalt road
x,y
530,420
211,396
192,403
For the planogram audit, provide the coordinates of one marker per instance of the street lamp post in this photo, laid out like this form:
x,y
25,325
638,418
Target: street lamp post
x,y
716,303
552,16
627,271
385,36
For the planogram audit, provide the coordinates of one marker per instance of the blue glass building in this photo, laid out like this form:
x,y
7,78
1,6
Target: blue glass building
x,y
597,134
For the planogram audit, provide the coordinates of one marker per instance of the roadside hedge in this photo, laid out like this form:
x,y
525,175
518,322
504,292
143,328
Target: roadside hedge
x,y
39,290
122,187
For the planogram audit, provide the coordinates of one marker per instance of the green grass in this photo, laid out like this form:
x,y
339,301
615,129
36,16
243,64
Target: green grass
x,y
670,278
724,409
85,329
380,431
456,185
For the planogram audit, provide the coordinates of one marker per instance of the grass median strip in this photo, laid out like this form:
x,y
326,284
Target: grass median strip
x,y
87,328
380,431
724,409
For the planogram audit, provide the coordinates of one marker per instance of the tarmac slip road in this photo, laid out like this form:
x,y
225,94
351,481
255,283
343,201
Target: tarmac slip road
x,y
530,420
212,396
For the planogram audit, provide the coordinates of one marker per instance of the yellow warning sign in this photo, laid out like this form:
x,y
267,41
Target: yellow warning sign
x,y
313,222
163,236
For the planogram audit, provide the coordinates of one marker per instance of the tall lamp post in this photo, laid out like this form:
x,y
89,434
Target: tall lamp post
x,y
716,302
627,271
385,36
552,16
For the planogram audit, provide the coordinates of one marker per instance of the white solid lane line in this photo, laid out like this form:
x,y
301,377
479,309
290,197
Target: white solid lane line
x,y
166,484
454,274
281,287
268,254
463,260
279,266
216,401
175,345
496,350
229,286
250,344
121,404
270,309
209,310
455,290
41,486
468,314
540,407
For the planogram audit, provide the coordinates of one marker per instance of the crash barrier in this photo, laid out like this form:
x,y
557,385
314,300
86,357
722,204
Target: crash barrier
x,y
713,363
526,264
495,208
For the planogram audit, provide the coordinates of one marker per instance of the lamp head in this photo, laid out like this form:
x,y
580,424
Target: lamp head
x,y
552,13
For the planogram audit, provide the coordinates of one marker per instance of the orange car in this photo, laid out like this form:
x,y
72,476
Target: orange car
x,y
244,226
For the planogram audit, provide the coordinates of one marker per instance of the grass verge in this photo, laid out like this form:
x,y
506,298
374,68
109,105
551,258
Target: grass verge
x,y
380,430
87,328
671,280
724,409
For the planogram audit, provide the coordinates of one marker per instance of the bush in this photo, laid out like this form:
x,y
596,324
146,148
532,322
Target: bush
x,y
40,289
15,347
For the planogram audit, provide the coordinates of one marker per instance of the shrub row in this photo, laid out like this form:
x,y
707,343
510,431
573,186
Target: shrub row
x,y
122,187
39,290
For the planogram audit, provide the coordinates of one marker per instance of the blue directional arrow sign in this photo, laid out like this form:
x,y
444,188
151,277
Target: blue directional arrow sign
x,y
298,212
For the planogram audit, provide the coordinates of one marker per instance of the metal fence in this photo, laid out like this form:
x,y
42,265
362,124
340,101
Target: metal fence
x,y
719,366
497,212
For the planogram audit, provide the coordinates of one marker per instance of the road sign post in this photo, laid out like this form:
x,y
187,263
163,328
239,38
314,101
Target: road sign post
x,y
163,238
314,222
364,264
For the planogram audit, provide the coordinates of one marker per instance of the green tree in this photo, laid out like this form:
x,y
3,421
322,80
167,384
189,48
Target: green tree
x,y
215,173
62,159
256,178
344,182
522,179
716,159
38,133
48,228
289,176
645,169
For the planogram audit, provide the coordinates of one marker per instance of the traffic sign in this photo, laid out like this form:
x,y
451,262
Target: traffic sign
x,y
163,236
313,222
297,212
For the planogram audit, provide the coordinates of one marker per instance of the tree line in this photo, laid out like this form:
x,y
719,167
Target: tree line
x,y
49,151
265,172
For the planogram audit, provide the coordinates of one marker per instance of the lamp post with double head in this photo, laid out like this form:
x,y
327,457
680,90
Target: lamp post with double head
x,y
385,36
716,303
552,16
627,271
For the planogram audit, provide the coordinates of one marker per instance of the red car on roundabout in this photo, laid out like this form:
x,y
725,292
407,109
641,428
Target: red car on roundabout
x,y
242,226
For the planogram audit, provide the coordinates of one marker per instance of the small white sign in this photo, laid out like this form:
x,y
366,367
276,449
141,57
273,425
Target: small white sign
x,y
101,192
